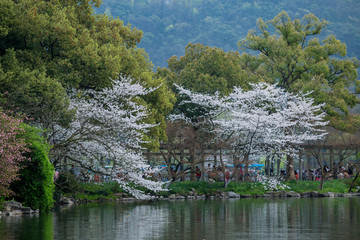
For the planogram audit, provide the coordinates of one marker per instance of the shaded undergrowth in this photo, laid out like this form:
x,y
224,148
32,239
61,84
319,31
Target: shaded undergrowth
x,y
112,190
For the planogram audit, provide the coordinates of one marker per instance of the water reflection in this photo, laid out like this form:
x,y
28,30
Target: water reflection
x,y
337,218
27,227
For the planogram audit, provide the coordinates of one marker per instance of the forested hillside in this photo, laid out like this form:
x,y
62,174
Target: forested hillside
x,y
168,25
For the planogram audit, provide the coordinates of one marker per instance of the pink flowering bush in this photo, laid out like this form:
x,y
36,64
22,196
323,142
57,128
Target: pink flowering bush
x,y
11,151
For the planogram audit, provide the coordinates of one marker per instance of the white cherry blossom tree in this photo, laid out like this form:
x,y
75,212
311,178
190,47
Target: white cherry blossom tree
x,y
263,121
109,125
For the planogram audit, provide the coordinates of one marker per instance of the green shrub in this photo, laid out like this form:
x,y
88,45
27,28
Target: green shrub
x,y
67,182
36,185
104,189
94,191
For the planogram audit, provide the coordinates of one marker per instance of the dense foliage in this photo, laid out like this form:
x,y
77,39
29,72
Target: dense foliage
x,y
169,25
291,55
49,47
35,186
82,78
208,70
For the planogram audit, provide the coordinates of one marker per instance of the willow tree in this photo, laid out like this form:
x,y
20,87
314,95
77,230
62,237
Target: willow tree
x,y
291,54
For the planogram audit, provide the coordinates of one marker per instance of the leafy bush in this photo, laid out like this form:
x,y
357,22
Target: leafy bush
x,y
68,182
104,189
36,185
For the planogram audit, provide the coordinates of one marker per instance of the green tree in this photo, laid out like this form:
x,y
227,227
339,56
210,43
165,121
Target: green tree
x,y
76,47
49,47
32,92
206,69
298,61
294,58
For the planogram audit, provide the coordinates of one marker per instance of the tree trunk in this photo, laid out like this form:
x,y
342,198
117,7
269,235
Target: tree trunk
x,y
290,175
353,182
321,185
331,156
215,158
168,163
202,156
148,157
223,168
278,161
246,170
267,165
236,162
300,166
192,165
308,165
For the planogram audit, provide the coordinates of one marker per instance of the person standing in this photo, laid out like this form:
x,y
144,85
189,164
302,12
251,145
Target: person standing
x,y
198,173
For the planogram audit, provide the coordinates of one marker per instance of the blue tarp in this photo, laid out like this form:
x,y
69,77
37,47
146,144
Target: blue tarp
x,y
251,165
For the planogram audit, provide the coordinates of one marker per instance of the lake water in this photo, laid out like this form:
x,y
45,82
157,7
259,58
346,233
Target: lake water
x,y
318,218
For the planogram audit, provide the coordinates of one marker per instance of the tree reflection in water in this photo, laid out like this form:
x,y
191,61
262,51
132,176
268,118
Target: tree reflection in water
x,y
323,218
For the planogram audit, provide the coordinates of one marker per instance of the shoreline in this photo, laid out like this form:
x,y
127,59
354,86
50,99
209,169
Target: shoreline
x,y
221,195
13,208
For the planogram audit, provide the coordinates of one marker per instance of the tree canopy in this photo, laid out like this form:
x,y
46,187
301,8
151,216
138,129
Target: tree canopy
x,y
74,46
291,55
50,47
206,70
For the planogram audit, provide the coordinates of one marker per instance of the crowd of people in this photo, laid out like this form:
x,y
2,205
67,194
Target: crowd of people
x,y
340,172
216,173
221,174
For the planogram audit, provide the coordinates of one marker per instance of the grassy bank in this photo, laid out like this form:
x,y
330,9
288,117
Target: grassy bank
x,y
184,188
92,191
103,191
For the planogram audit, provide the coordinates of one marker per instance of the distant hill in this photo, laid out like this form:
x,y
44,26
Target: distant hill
x,y
168,25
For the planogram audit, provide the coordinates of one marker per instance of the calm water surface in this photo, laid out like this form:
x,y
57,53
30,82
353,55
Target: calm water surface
x,y
324,218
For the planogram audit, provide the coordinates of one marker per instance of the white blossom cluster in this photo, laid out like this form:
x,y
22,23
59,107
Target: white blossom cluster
x,y
262,120
109,125
271,183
